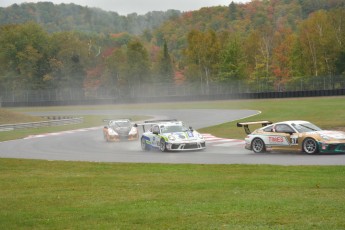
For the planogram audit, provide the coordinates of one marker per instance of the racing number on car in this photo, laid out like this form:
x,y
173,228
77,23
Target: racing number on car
x,y
294,140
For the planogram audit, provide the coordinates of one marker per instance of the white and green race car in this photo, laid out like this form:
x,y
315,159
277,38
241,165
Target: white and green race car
x,y
170,135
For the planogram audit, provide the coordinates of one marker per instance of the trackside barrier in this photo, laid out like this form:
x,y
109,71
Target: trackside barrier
x,y
175,98
60,122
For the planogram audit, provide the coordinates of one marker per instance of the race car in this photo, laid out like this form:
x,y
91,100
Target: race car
x,y
121,129
302,136
170,135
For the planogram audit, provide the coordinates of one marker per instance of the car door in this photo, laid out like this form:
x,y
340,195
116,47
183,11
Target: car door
x,y
155,138
285,138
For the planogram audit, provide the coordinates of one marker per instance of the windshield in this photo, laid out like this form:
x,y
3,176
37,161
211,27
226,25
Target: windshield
x,y
121,124
173,128
306,127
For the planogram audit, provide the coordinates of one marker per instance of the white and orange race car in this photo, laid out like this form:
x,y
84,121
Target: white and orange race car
x,y
301,136
121,129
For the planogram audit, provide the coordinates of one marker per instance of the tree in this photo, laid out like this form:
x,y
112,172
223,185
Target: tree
x,y
337,21
203,50
114,77
73,54
232,62
25,62
138,63
258,50
232,11
166,71
320,43
281,62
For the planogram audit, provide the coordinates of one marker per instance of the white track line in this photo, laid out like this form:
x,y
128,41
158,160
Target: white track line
x,y
222,142
62,132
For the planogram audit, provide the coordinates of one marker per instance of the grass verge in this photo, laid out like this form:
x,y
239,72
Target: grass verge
x,y
69,195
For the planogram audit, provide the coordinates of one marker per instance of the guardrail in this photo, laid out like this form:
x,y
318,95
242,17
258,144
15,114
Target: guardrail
x,y
59,122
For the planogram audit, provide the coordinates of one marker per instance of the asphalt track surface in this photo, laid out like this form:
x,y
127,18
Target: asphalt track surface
x,y
89,145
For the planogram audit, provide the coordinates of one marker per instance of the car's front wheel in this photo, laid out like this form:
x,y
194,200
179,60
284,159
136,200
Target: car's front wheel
x,y
143,144
163,146
258,145
105,137
310,146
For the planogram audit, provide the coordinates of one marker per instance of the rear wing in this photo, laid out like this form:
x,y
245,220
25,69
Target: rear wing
x,y
117,119
152,122
160,121
245,125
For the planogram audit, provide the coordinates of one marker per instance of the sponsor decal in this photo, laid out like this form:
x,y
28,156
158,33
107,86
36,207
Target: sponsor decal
x,y
276,139
190,134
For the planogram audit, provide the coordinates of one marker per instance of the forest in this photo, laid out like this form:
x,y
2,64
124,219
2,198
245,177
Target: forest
x,y
260,46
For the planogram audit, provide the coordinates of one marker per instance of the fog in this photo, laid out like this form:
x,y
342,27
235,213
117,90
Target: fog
x,y
124,7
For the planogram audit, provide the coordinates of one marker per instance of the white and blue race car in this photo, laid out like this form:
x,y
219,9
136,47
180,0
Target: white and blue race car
x,y
170,135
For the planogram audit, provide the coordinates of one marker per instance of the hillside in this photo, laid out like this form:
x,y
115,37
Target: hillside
x,y
68,17
242,19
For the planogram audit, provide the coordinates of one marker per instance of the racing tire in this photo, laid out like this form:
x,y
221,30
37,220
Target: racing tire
x,y
144,145
106,137
258,145
163,146
310,146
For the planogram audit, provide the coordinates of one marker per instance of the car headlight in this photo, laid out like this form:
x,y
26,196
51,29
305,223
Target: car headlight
x,y
171,137
200,136
133,131
324,137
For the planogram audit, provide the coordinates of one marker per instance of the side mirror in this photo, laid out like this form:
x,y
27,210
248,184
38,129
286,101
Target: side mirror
x,y
190,128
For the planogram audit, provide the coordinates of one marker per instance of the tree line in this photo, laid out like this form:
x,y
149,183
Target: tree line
x,y
72,17
274,57
260,43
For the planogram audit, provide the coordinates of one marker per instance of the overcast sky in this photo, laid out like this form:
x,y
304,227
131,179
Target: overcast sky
x,y
124,7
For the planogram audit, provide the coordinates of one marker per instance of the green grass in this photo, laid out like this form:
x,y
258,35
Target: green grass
x,y
70,195
9,117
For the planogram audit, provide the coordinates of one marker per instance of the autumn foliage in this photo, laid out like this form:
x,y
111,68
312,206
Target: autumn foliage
x,y
267,44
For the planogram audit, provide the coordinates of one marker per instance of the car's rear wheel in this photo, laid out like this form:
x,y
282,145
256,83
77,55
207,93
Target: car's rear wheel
x,y
163,146
258,145
310,146
144,145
